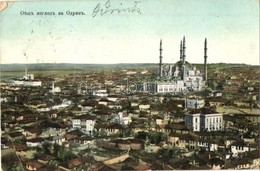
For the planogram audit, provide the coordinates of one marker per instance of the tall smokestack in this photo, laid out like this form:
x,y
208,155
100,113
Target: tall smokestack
x,y
160,64
205,60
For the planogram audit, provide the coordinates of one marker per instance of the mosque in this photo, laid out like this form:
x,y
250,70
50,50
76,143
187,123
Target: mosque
x,y
181,76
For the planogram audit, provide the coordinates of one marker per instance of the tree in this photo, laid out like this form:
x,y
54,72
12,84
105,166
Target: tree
x,y
166,153
61,153
56,149
156,137
46,147
141,135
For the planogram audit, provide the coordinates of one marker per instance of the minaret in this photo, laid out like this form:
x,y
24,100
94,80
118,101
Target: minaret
x,y
183,59
25,65
205,60
160,64
181,51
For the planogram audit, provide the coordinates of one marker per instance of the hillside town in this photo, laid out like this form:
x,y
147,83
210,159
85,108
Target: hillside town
x,y
171,117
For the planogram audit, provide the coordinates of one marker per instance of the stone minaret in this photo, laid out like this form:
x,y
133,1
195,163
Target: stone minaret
x,y
183,59
181,51
160,64
205,60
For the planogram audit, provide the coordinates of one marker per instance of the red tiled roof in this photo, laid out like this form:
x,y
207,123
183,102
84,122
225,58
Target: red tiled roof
x,y
35,140
78,161
203,111
35,164
86,117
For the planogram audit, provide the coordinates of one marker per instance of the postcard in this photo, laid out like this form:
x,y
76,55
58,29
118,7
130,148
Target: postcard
x,y
129,84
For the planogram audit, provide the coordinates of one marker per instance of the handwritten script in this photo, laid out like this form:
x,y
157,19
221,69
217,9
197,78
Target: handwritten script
x,y
107,8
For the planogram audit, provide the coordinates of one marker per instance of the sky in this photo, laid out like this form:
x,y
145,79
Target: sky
x,y
231,28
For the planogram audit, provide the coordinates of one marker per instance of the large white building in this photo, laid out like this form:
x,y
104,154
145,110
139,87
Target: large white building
x,y
27,80
204,119
179,77
85,123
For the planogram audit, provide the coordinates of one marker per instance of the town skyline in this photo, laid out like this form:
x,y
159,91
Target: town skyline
x,y
128,117
231,28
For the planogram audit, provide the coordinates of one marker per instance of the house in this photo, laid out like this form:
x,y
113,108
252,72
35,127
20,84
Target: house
x,y
114,129
85,123
178,117
229,140
35,142
52,114
135,127
194,103
126,144
15,136
34,165
73,134
50,131
255,119
103,102
238,147
248,138
122,118
217,101
238,164
133,114
242,163
56,140
137,144
207,145
103,112
100,93
123,144
65,103
32,132
159,128
85,141
216,163
144,106
182,141
159,120
179,128
242,103
79,163
134,103
87,105
115,98
43,108
23,151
